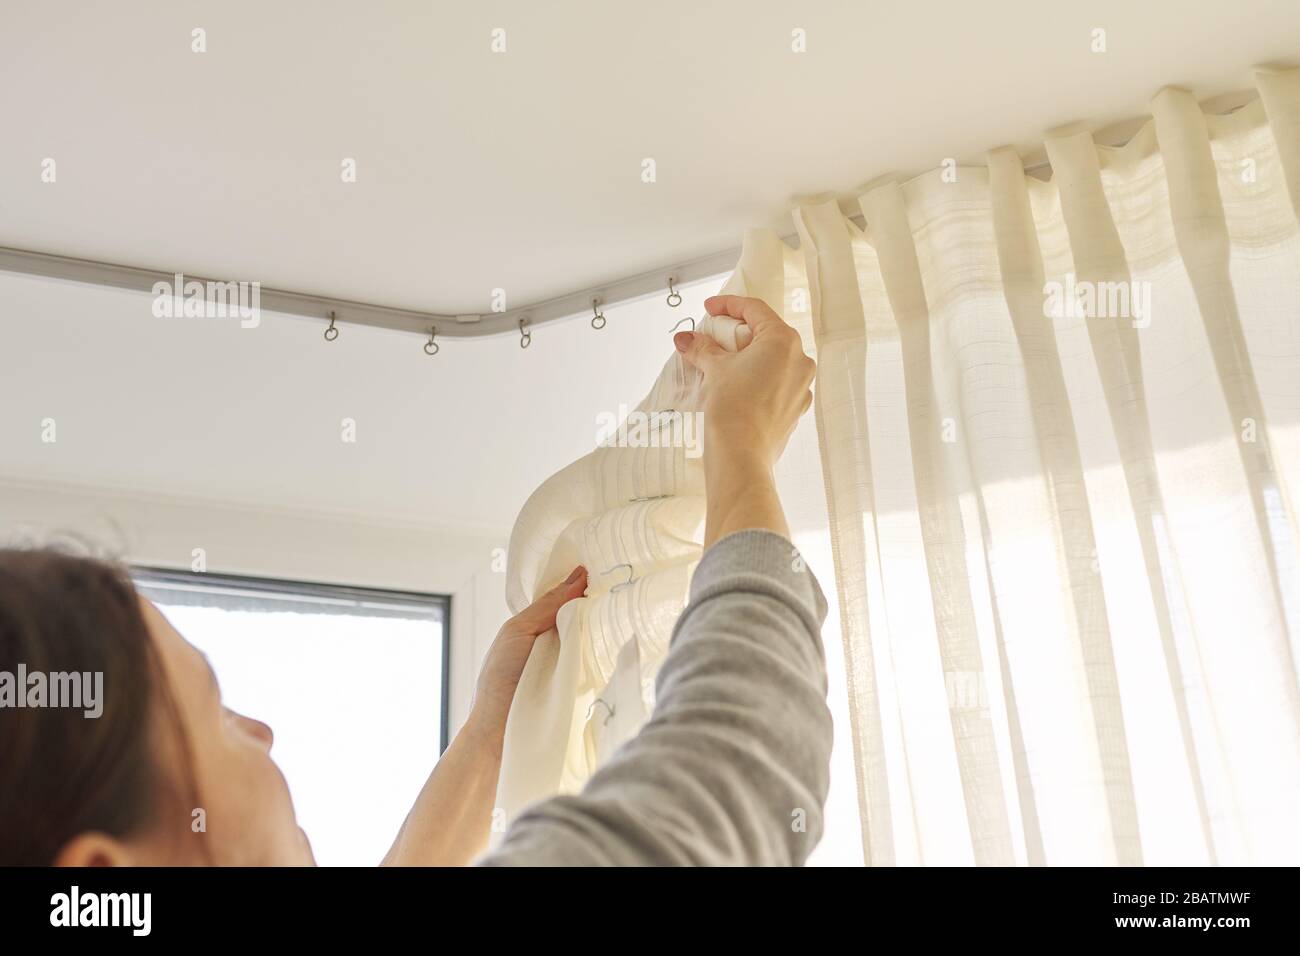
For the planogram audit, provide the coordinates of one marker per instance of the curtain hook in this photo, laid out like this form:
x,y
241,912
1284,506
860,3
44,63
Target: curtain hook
x,y
331,333
597,317
525,336
673,294
431,347
679,324
622,584
600,700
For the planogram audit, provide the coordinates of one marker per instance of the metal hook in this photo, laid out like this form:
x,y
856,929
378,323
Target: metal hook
x,y
601,700
672,294
597,317
525,336
664,418
679,324
331,333
431,347
622,584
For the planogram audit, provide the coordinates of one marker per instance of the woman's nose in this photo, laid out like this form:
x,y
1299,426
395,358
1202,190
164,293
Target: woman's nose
x,y
259,730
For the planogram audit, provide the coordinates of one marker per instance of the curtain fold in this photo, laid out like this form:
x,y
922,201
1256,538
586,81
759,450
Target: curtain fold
x,y
1083,599
840,414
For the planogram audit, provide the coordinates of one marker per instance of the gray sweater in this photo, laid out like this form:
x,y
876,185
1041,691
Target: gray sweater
x,y
733,766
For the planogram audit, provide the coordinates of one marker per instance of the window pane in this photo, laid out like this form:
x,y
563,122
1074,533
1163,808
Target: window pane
x,y
354,697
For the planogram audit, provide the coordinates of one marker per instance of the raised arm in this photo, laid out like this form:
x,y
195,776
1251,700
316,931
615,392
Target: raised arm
x,y
452,816
733,766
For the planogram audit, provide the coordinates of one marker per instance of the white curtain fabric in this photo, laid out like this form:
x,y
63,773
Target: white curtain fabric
x,y
632,513
1054,471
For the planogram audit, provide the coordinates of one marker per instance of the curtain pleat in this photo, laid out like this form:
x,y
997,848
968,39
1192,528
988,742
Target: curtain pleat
x,y
943,533
1280,94
1202,234
1099,259
840,410
1021,271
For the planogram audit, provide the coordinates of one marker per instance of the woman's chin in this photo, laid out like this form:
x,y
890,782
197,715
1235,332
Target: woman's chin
x,y
309,858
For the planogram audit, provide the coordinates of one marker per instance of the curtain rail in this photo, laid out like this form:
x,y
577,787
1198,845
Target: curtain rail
x,y
630,289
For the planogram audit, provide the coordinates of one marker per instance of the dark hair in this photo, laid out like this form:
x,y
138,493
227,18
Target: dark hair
x,y
62,773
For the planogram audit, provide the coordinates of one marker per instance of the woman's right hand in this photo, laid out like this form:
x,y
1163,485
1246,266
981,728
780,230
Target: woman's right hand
x,y
753,398
752,401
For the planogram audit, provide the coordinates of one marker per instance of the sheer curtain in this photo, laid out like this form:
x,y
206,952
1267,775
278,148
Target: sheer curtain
x,y
1058,424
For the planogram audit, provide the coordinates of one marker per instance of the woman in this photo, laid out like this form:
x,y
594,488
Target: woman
x,y
731,768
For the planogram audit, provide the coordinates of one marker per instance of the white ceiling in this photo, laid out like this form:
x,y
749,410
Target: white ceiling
x,y
522,170
476,171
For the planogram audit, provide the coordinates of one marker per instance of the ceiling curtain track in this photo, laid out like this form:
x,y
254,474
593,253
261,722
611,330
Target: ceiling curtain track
x,y
431,324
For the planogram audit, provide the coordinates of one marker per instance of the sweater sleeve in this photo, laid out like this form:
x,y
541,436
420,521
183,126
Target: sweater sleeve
x,y
734,764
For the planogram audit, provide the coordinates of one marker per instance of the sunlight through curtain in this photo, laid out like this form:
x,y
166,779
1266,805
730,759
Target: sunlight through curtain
x,y
1059,429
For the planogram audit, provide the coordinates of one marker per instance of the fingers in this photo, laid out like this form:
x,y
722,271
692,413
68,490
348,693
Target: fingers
x,y
699,350
540,615
809,368
754,312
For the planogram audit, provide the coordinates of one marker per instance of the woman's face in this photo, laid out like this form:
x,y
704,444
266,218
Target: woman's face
x,y
246,816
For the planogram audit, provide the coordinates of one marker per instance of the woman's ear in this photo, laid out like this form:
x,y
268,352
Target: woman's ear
x,y
94,849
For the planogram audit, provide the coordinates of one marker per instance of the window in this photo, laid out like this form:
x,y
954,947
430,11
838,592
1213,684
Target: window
x,y
353,681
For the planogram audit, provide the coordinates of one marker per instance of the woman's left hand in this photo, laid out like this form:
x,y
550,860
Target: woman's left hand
x,y
450,821
505,660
